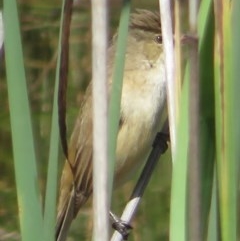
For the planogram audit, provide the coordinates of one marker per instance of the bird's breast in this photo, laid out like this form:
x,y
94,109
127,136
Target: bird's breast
x,y
142,104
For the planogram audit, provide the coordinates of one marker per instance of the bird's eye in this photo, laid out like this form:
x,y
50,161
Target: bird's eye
x,y
158,39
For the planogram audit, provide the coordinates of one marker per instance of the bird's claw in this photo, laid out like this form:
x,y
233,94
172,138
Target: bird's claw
x,y
123,228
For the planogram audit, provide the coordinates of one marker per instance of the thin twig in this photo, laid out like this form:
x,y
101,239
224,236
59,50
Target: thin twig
x,y
159,147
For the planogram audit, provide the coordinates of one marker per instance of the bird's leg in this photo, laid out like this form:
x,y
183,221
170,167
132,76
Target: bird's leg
x,y
119,225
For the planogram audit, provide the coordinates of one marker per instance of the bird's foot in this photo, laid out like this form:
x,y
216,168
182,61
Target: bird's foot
x,y
121,226
161,140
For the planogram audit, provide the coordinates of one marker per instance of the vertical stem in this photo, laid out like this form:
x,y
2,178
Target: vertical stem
x,y
100,115
166,21
194,172
1,33
178,51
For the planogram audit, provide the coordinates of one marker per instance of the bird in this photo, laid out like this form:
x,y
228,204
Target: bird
x,y
142,108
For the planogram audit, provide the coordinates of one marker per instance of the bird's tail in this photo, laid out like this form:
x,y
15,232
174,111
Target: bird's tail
x,y
64,218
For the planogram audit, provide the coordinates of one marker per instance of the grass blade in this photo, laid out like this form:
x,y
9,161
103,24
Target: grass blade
x,y
227,119
207,126
179,175
114,106
22,136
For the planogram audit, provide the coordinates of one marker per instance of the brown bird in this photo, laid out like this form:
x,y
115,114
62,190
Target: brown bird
x,y
142,104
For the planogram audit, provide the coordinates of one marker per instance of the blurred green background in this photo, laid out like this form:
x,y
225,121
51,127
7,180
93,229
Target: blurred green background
x,y
39,27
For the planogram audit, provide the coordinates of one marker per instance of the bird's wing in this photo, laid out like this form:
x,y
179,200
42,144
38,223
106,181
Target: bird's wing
x,y
76,180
